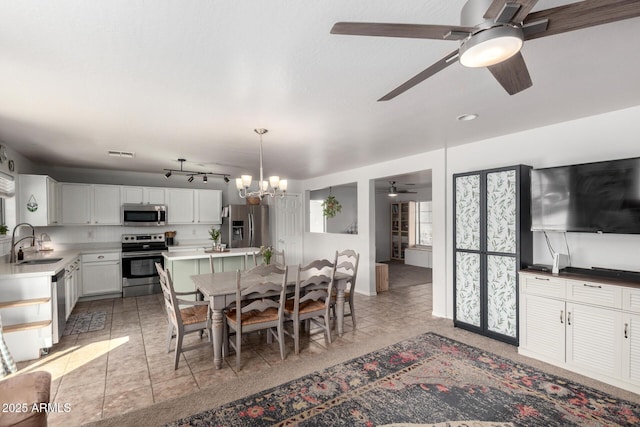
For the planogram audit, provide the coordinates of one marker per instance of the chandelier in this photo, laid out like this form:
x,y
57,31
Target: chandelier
x,y
274,187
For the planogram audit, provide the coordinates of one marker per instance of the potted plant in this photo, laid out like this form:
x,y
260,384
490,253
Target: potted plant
x,y
331,206
3,230
215,236
266,252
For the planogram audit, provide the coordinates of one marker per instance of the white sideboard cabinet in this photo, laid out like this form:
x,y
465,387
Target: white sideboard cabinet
x,y
589,326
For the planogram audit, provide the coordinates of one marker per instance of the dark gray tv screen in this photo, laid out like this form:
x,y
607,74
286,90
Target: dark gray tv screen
x,y
601,197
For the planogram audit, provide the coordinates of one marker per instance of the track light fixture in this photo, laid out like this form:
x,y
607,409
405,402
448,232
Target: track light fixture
x,y
191,174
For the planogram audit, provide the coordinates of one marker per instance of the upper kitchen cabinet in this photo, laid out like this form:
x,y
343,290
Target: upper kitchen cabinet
x,y
144,195
88,204
186,206
209,206
38,200
180,206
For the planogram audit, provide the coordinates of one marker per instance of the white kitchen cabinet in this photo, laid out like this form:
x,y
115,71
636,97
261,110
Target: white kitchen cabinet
x,y
180,206
584,326
86,204
72,281
146,195
209,206
106,205
38,200
76,204
101,274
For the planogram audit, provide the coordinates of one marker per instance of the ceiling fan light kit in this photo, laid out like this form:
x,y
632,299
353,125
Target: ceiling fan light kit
x,y
491,46
492,32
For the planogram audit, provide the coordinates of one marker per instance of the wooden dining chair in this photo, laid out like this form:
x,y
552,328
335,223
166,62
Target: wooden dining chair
x,y
250,260
312,298
195,317
211,267
277,257
347,263
259,310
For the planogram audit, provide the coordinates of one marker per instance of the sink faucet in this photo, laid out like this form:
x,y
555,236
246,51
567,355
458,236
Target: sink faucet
x,y
12,256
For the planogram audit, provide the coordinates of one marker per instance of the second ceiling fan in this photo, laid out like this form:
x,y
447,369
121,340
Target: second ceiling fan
x,y
491,34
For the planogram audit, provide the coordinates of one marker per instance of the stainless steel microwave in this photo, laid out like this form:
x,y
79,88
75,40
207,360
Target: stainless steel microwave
x,y
144,215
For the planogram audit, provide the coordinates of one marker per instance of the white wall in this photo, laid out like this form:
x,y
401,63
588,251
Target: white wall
x,y
21,165
317,245
608,136
347,196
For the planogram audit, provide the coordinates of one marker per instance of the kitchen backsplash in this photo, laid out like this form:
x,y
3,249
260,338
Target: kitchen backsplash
x,y
109,234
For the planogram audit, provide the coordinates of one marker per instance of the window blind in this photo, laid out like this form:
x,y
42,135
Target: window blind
x,y
7,185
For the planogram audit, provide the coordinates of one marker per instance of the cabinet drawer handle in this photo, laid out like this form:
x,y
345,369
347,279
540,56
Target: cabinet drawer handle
x,y
592,286
626,330
542,278
561,316
101,257
569,318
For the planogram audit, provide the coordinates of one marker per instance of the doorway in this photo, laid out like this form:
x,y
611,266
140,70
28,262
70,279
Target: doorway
x,y
404,227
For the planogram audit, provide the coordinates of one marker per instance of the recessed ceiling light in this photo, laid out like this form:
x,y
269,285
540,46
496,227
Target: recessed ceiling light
x,y
467,117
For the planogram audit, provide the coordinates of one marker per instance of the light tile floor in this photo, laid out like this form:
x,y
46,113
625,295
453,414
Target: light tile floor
x,y
126,366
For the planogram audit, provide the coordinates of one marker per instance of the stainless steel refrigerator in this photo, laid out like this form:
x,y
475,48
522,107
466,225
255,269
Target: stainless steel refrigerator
x,y
245,226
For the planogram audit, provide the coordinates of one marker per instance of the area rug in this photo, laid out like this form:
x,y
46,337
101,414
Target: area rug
x,y
85,322
428,379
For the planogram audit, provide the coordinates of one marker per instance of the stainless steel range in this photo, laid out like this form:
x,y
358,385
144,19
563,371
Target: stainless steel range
x,y
140,252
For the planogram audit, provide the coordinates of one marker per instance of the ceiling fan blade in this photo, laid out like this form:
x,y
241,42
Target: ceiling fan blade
x,y
414,31
423,75
512,74
584,14
505,11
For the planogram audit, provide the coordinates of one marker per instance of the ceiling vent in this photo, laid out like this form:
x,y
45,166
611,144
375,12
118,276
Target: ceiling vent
x,y
126,154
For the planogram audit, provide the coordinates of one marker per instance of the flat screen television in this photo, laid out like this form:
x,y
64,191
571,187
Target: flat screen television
x,y
601,197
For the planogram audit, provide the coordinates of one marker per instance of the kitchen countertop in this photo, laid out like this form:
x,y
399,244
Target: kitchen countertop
x,y
179,256
67,252
9,271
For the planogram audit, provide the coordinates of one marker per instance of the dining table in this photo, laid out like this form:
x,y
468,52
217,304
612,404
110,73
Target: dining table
x,y
220,290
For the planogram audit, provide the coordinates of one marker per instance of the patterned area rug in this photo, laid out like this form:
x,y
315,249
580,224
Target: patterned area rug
x,y
85,322
428,379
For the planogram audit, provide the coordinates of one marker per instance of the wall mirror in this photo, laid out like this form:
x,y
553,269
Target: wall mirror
x,y
344,221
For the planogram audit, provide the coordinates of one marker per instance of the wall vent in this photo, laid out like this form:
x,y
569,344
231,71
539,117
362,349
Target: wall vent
x,y
127,154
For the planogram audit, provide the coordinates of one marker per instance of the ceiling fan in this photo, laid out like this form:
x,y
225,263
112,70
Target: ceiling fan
x,y
491,34
393,190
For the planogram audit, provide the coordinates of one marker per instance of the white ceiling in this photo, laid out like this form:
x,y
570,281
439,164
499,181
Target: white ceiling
x,y
169,79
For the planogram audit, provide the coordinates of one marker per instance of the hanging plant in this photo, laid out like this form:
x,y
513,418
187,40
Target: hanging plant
x,y
331,206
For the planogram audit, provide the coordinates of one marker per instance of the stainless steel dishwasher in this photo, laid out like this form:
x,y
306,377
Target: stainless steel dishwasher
x,y
59,304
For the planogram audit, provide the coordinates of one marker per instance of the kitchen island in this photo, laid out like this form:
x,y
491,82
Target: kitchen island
x,y
184,264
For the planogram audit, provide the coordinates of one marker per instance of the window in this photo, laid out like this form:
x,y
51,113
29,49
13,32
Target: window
x,y
424,226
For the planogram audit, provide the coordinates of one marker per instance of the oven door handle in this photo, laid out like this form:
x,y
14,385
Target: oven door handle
x,y
140,254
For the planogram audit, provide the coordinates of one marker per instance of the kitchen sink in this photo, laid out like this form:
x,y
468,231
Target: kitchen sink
x,y
40,261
